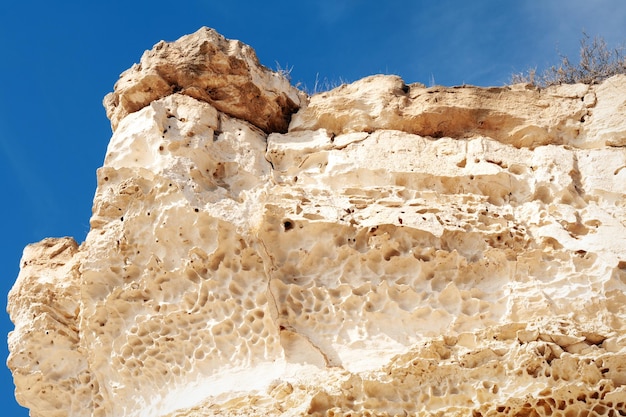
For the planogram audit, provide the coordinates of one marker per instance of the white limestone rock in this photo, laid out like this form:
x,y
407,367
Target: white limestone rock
x,y
399,251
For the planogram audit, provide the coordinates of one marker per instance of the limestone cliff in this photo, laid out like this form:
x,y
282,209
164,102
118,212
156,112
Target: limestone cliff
x,y
379,249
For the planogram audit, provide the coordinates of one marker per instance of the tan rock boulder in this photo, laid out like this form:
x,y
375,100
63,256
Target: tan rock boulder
x,y
207,66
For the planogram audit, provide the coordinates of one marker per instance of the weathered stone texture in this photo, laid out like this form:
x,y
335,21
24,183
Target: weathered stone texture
x,y
204,65
399,250
519,115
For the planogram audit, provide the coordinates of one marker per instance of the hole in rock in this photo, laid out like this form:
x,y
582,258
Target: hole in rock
x,y
517,169
288,225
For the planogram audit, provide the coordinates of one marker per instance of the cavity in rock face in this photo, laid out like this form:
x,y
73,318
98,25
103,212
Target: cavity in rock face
x,y
394,250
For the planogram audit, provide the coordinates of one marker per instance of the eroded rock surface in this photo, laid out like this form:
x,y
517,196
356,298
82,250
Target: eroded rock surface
x,y
398,251
519,115
205,65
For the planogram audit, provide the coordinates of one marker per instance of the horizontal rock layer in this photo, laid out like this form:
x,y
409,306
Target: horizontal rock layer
x,y
398,251
578,115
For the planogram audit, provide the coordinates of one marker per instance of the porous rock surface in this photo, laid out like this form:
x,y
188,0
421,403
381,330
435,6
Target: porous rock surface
x,y
399,250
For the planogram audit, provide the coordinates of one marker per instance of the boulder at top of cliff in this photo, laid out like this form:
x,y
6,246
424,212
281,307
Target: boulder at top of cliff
x,y
205,65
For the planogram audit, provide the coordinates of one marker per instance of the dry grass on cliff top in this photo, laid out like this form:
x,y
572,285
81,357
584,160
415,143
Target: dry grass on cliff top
x,y
597,63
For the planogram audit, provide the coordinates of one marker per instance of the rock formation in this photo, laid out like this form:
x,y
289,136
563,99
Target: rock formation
x,y
379,249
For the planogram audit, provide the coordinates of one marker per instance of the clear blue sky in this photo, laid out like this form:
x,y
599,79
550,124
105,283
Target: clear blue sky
x,y
60,58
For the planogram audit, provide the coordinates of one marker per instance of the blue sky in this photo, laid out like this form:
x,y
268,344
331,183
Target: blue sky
x,y
61,58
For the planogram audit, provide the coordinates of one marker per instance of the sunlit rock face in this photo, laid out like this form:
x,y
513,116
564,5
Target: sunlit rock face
x,y
398,250
204,65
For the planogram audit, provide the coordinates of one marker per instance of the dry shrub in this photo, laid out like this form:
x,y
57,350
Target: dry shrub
x,y
597,62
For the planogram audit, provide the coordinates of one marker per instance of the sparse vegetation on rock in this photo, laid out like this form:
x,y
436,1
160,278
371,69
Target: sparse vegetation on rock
x,y
597,62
